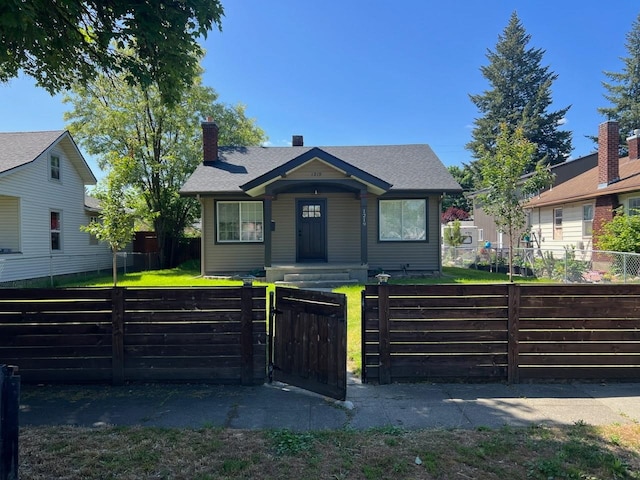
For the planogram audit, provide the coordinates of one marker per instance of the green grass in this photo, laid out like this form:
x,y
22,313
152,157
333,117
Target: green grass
x,y
188,275
570,452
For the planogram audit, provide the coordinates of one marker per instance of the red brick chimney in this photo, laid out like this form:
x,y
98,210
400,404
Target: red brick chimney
x,y
297,141
608,139
634,142
209,141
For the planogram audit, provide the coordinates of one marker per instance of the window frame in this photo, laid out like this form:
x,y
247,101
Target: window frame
x,y
240,221
55,231
425,204
55,168
635,210
587,221
93,240
557,226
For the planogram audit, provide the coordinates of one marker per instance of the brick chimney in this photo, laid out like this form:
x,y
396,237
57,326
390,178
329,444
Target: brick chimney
x,y
209,141
634,142
297,141
608,139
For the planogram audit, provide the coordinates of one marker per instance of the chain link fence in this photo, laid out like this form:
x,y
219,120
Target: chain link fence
x,y
567,265
47,270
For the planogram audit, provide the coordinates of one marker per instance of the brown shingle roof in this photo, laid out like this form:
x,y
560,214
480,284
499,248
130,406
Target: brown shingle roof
x,y
585,186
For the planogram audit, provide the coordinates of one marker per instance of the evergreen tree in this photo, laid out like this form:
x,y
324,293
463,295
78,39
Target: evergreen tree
x,y
519,97
624,90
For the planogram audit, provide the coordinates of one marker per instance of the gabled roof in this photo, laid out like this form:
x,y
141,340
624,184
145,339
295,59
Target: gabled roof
x,y
18,149
585,186
399,167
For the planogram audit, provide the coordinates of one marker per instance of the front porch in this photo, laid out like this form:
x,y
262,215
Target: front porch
x,y
317,274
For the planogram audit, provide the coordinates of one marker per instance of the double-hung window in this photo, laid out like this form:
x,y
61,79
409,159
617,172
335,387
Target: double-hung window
x,y
557,223
634,206
239,222
54,167
403,220
587,220
56,230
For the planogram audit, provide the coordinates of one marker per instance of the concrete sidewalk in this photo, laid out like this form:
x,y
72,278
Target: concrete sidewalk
x,y
410,406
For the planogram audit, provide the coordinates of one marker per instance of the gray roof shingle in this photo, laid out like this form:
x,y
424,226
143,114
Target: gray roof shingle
x,y
405,167
20,148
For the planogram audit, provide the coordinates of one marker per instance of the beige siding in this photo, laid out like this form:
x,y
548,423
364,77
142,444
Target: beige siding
x,y
393,256
572,228
226,258
315,170
343,228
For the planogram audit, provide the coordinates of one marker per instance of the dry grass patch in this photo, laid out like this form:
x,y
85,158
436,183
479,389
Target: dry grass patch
x,y
577,452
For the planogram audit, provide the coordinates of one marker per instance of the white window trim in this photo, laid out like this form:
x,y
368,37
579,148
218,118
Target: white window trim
x,y
635,210
240,203
58,231
426,220
51,169
584,222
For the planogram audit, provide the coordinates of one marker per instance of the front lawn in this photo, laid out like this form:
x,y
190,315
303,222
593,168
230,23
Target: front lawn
x,y
188,275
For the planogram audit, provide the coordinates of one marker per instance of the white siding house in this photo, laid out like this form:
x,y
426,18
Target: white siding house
x,y
42,207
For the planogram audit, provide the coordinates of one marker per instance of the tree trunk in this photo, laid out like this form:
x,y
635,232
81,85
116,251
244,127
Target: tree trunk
x,y
114,265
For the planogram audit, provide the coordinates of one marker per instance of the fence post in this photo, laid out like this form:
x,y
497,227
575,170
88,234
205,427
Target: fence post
x,y
384,375
117,335
9,410
246,333
513,326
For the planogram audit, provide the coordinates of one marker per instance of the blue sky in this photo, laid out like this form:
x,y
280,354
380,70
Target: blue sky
x,y
365,72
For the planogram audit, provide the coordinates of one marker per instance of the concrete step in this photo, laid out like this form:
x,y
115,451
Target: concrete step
x,y
328,283
304,277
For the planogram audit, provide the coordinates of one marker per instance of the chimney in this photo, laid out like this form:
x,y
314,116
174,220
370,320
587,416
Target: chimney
x,y
209,141
608,139
634,142
297,141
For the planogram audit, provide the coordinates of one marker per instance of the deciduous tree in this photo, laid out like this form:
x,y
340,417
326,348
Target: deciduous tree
x,y
113,120
116,225
504,189
519,97
63,42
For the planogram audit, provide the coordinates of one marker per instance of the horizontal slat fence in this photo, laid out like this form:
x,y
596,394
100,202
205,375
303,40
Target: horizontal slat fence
x,y
214,335
500,332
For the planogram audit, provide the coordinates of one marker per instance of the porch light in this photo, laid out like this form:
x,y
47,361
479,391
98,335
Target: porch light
x,y
383,278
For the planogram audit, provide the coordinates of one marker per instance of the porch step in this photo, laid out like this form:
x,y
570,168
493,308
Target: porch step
x,y
304,277
316,280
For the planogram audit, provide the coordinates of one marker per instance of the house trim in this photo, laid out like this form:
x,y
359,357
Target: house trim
x,y
260,184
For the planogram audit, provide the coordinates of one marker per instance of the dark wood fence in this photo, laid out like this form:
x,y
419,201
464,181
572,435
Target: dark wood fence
x,y
214,335
500,332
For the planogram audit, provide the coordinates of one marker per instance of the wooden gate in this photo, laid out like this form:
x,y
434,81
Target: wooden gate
x,y
308,336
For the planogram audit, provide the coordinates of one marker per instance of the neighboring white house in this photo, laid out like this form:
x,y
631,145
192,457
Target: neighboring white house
x,y
42,207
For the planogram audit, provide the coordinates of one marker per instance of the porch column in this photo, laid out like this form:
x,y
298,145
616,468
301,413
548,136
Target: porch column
x,y
267,230
364,254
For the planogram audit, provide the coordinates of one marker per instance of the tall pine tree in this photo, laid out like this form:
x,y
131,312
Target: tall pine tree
x,y
519,97
624,90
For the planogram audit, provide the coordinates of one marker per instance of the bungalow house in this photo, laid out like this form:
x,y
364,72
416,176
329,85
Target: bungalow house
x,y
341,210
569,214
42,206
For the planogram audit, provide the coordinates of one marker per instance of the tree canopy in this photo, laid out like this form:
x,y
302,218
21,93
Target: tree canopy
x,y
519,97
504,188
623,92
112,120
62,42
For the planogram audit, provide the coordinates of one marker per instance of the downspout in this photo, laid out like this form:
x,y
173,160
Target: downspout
x,y
202,235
